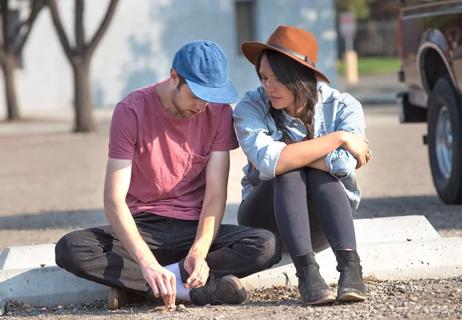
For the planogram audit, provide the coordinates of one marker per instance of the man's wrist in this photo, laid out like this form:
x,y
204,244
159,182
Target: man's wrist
x,y
147,263
198,252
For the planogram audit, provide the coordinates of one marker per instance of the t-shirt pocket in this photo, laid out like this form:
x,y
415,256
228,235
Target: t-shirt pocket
x,y
192,185
196,167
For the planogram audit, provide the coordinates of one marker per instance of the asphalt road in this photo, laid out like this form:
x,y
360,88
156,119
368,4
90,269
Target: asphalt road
x,y
51,180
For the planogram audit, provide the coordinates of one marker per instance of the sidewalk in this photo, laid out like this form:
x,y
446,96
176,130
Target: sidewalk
x,y
49,121
370,90
51,180
374,89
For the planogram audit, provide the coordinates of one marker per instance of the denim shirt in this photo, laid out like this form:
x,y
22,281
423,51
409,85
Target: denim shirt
x,y
262,142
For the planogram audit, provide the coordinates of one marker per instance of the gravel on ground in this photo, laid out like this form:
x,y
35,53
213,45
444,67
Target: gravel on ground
x,y
415,299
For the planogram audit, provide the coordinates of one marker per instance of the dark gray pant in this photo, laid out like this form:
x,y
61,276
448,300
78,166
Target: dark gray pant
x,y
96,254
308,208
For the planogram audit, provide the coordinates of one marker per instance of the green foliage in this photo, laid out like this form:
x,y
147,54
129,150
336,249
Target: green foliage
x,y
360,8
372,65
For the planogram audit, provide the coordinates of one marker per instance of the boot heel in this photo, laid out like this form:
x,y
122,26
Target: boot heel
x,y
351,285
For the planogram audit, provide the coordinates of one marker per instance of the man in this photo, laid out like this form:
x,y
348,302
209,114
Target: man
x,y
165,194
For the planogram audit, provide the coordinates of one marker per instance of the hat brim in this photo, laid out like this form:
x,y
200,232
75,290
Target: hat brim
x,y
224,94
252,50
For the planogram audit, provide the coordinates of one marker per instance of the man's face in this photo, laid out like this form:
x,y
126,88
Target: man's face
x,y
186,104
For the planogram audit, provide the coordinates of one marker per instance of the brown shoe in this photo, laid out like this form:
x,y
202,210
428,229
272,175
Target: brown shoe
x,y
117,298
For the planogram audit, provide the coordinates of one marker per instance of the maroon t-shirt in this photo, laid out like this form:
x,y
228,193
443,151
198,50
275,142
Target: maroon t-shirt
x,y
169,155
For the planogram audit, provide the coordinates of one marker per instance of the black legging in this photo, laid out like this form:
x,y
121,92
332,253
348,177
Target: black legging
x,y
303,206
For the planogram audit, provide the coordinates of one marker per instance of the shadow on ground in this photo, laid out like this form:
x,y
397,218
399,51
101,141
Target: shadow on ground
x,y
440,216
53,220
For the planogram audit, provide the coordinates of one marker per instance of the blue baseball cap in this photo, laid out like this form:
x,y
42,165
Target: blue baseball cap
x,y
204,66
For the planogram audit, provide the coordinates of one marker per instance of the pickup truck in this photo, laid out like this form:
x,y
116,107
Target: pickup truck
x,y
430,48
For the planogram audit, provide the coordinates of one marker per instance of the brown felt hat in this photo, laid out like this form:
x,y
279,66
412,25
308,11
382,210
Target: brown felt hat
x,y
298,44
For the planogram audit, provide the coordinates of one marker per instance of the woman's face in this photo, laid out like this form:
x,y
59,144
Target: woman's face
x,y
281,97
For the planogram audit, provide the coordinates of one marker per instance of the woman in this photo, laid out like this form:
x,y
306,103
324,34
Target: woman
x,y
303,141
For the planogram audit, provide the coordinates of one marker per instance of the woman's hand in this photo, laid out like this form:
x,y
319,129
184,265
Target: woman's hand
x,y
358,146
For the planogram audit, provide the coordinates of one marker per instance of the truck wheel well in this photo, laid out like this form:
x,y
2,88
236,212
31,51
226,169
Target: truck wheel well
x,y
432,69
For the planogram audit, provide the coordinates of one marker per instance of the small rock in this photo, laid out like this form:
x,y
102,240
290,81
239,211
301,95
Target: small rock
x,y
401,288
165,308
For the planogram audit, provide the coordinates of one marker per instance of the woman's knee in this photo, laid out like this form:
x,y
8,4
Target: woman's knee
x,y
293,176
257,215
244,216
319,175
321,182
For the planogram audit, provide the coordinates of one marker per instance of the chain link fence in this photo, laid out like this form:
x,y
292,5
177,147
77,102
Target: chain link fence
x,y
373,38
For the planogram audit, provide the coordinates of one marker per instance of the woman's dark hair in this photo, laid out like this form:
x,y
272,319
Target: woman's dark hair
x,y
298,79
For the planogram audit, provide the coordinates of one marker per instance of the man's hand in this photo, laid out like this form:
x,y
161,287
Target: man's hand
x,y
213,208
162,283
198,271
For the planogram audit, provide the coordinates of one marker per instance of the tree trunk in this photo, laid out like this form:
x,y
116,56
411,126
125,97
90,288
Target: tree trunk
x,y
82,97
9,68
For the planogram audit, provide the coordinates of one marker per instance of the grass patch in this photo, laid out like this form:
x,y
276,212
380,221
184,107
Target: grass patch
x,y
372,65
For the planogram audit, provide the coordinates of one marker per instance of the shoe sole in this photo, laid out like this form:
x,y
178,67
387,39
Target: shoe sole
x,y
325,300
242,293
351,296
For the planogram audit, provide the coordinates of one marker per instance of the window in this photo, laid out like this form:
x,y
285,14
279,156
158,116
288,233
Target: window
x,y
245,22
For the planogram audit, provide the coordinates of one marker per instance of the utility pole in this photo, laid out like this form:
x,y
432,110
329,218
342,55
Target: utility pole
x,y
347,25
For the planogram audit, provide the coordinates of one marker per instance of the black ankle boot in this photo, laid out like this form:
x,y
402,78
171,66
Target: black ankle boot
x,y
313,289
351,285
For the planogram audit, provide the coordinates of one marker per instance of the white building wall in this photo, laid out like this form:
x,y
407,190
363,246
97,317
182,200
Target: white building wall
x,y
139,45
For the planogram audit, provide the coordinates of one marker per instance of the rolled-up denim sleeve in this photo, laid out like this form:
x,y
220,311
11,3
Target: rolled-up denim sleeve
x,y
349,117
254,136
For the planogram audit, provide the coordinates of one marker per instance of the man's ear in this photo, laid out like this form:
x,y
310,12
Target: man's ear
x,y
174,77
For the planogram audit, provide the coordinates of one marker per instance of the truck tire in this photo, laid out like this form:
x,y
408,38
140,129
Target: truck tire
x,y
445,141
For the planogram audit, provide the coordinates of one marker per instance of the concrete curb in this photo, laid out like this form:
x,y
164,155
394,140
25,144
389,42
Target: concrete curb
x,y
436,258
23,257
402,228
367,231
47,286
391,248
